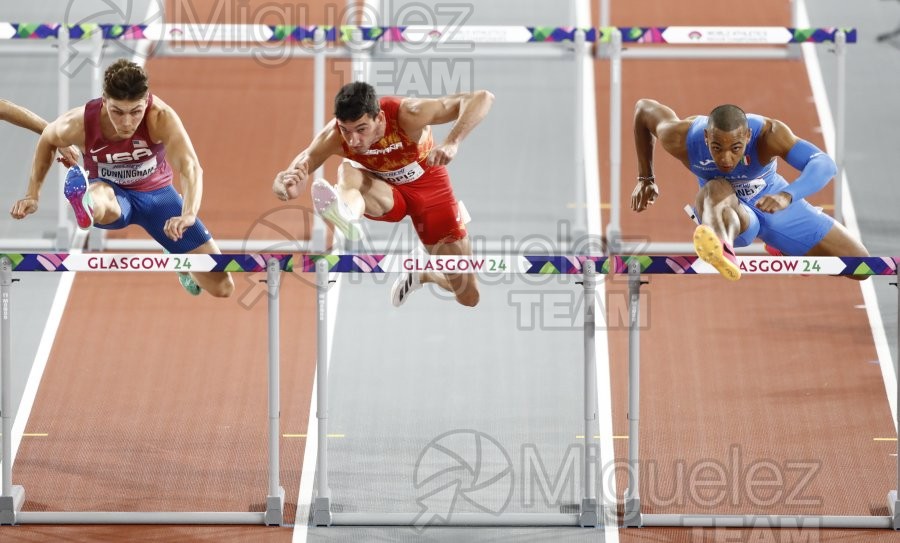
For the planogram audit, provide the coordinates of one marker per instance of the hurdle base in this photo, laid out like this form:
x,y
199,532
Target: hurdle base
x,y
140,517
96,240
894,507
320,514
613,240
767,522
275,509
63,239
10,505
631,514
418,520
589,515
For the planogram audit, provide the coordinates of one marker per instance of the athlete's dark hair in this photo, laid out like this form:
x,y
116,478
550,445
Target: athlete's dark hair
x,y
727,117
125,80
355,100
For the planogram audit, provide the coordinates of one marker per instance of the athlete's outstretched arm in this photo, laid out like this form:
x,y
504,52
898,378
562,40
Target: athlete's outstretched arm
x,y
467,109
653,121
291,182
25,118
65,132
166,127
21,116
816,167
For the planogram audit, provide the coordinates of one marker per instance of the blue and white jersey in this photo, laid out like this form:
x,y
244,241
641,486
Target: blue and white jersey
x,y
750,179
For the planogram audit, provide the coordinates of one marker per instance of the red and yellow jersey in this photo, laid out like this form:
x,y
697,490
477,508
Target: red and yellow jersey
x,y
395,157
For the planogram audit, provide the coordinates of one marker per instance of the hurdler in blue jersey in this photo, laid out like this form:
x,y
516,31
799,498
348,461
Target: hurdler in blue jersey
x,y
742,197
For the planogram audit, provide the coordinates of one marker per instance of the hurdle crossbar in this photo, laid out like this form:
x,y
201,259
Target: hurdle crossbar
x,y
484,264
427,34
12,498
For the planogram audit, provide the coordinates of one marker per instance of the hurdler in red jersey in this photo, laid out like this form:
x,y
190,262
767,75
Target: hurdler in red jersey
x,y
394,169
127,138
421,191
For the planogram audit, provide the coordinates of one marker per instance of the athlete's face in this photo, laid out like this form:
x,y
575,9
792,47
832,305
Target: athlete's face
x,y
727,148
125,115
363,132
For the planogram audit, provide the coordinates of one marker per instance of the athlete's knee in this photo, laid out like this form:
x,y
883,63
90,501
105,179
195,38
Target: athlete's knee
x,y
716,192
469,297
349,176
104,206
719,190
223,288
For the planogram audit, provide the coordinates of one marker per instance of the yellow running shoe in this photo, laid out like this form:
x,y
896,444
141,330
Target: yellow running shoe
x,y
717,252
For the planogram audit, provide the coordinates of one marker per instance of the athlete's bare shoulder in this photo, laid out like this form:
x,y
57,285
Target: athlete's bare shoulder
x,y
67,129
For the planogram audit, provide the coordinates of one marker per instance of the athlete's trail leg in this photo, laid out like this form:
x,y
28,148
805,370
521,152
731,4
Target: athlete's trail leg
x,y
463,285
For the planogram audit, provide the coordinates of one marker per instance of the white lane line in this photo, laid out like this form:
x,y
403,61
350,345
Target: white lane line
x,y
40,359
304,500
826,119
609,496
311,449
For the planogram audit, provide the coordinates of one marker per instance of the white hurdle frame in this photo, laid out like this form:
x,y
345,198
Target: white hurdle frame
x,y
633,517
13,496
319,53
590,512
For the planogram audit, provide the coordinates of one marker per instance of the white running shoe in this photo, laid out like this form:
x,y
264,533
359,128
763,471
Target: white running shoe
x,y
328,205
405,285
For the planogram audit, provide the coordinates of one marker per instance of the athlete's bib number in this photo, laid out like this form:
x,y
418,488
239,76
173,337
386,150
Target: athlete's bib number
x,y
126,174
746,190
406,174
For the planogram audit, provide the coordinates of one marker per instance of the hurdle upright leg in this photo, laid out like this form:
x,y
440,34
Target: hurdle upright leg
x,y
321,508
590,513
632,512
13,496
840,49
893,503
275,498
614,229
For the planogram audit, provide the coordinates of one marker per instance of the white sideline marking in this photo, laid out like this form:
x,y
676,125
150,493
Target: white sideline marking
x,y
48,336
311,452
608,495
40,359
311,449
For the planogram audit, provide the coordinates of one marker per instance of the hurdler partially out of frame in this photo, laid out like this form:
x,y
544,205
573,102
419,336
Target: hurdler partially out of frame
x,y
742,197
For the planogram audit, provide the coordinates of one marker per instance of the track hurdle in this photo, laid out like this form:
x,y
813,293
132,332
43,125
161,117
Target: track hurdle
x,y
317,43
636,266
13,496
590,512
